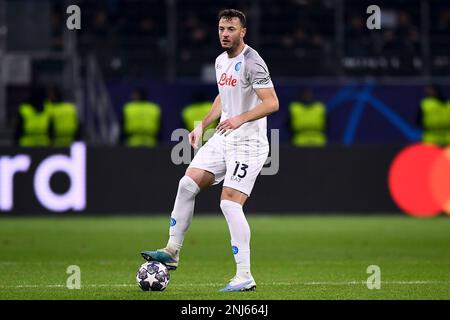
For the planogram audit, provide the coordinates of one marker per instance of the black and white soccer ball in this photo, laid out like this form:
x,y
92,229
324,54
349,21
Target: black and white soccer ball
x,y
153,276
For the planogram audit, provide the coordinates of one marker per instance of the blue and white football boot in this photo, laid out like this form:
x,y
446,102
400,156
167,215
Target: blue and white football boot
x,y
240,284
166,256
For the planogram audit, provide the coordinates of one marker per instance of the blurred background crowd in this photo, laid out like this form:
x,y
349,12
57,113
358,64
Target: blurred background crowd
x,y
312,37
146,67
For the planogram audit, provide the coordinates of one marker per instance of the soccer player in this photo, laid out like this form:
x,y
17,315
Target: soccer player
x,y
235,154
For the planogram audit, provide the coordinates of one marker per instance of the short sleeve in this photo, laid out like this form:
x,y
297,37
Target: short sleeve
x,y
258,73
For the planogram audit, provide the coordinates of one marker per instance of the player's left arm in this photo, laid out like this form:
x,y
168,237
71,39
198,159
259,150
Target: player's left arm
x,y
269,104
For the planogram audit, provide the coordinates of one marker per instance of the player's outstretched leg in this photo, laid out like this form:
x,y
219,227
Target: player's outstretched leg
x,y
240,242
180,221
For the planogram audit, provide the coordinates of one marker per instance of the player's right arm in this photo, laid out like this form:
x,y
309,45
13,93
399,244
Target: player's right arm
x,y
213,114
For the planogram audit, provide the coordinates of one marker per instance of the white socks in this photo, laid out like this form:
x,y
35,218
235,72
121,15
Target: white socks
x,y
240,236
183,210
181,219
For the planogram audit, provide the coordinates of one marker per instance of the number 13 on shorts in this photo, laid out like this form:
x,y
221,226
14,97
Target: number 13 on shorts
x,y
241,175
242,167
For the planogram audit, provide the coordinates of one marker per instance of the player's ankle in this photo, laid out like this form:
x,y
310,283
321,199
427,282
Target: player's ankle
x,y
174,251
173,247
244,273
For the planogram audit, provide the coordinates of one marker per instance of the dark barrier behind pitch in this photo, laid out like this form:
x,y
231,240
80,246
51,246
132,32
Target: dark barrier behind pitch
x,y
140,181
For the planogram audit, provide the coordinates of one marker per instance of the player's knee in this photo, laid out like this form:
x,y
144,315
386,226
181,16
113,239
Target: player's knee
x,y
188,184
224,206
201,177
227,205
228,195
233,195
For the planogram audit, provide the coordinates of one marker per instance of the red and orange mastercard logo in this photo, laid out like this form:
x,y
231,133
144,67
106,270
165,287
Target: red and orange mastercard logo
x,y
419,180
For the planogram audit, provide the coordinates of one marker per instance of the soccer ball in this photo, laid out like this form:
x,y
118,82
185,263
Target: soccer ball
x,y
153,276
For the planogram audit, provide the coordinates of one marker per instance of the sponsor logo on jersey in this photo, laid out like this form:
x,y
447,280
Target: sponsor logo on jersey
x,y
218,66
227,81
173,222
235,249
237,66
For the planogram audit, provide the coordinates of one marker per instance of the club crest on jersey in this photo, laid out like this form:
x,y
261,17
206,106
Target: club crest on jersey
x,y
237,66
227,81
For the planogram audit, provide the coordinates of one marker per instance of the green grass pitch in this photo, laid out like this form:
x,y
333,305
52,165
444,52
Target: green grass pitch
x,y
293,257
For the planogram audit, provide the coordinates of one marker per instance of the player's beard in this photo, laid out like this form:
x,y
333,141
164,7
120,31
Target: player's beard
x,y
232,46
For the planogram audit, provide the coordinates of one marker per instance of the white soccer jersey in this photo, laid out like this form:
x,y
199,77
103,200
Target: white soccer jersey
x,y
237,158
237,79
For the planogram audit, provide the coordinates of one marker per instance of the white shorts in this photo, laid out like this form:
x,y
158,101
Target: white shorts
x,y
236,164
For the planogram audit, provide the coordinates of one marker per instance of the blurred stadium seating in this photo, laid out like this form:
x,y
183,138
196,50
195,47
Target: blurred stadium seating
x,y
171,45
300,38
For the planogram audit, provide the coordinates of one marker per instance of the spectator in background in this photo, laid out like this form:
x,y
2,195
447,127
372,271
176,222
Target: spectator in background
x,y
147,27
407,33
100,23
64,118
33,127
57,24
141,120
196,111
403,38
298,39
443,22
301,39
359,43
435,116
391,46
194,36
308,120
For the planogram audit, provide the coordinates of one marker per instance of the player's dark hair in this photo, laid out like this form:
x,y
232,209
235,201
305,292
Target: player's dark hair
x,y
228,14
